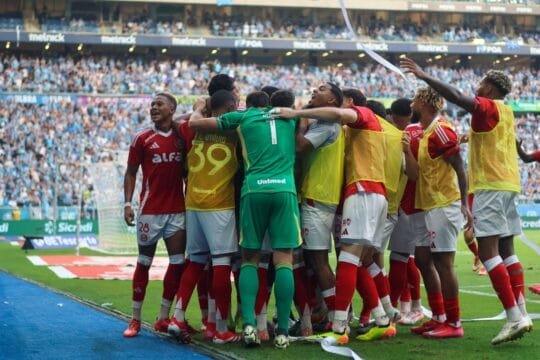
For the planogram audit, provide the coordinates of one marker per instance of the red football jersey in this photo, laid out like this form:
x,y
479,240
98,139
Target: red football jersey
x,y
407,201
160,156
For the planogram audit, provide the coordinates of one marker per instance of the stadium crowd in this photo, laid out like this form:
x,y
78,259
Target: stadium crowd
x,y
303,28
101,74
39,135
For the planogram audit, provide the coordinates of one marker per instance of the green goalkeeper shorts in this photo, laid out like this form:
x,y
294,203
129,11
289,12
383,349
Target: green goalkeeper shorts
x,y
276,213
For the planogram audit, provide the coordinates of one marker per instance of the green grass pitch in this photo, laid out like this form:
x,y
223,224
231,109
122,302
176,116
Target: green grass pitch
x,y
477,300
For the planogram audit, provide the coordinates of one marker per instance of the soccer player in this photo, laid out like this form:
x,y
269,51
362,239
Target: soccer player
x,y
268,203
403,276
495,182
322,147
438,172
160,154
211,223
364,210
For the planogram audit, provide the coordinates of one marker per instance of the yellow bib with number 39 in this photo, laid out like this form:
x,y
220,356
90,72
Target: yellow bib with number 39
x,y
212,165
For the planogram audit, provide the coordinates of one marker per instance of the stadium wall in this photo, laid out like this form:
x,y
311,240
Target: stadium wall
x,y
509,48
39,99
395,5
9,228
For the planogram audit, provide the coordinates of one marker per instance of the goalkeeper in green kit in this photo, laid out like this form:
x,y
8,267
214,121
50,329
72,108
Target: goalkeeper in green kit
x,y
268,201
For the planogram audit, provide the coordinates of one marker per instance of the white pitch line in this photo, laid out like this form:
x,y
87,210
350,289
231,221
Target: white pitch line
x,y
36,260
62,272
530,244
481,293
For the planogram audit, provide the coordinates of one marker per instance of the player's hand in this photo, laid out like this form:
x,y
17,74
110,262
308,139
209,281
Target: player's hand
x,y
468,217
129,215
411,67
406,142
280,112
200,105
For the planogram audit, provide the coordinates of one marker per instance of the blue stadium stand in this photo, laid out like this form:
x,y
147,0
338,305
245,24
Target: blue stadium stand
x,y
36,323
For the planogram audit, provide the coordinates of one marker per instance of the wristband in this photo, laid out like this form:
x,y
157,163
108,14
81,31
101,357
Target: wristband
x,y
126,204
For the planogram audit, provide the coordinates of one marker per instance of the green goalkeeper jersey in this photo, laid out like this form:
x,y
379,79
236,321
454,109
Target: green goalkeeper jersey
x,y
268,149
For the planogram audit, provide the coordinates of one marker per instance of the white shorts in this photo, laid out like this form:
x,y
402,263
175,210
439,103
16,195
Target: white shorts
x,y
384,237
410,230
495,213
150,228
443,225
364,215
317,223
211,232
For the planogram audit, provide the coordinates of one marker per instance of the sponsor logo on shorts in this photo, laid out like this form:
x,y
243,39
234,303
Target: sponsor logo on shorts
x,y
271,181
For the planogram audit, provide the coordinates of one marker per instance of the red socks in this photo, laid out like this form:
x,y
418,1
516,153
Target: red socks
x,y
203,286
517,278
397,277
436,303
473,247
221,284
140,282
366,288
413,279
501,281
345,283
451,307
171,281
189,280
301,298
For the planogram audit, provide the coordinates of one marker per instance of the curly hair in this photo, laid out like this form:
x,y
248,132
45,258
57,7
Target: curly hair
x,y
429,96
500,80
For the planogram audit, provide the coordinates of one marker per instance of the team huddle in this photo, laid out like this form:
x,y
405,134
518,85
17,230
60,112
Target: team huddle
x,y
342,172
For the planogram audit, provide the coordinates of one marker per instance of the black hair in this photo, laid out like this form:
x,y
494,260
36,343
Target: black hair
x,y
220,82
356,95
338,94
401,107
377,107
169,97
257,99
269,90
220,99
282,98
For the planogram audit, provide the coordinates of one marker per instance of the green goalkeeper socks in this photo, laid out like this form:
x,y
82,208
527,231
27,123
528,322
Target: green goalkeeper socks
x,y
284,292
249,286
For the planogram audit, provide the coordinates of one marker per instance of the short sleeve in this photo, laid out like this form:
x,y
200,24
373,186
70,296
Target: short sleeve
x,y
135,152
485,115
229,121
186,134
363,116
443,142
536,156
320,133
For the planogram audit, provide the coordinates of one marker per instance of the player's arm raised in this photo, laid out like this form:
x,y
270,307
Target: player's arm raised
x,y
447,91
331,114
